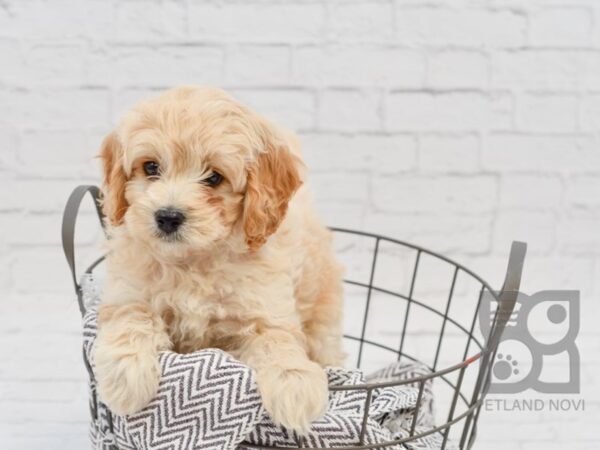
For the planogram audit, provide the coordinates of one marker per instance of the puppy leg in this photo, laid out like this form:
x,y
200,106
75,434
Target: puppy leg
x,y
323,326
324,339
293,388
129,339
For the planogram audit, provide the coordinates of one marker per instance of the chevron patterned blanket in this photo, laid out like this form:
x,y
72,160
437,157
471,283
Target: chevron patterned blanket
x,y
208,400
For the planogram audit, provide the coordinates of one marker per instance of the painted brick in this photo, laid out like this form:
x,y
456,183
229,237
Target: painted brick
x,y
363,66
63,108
344,110
31,229
564,272
361,21
168,66
444,153
577,236
419,194
343,215
547,112
561,27
590,112
531,192
583,194
529,152
546,69
456,234
258,65
142,21
55,149
40,270
293,108
336,187
125,98
33,442
538,229
50,430
8,98
596,276
42,412
13,57
458,69
472,28
61,65
378,153
8,143
270,22
57,21
447,111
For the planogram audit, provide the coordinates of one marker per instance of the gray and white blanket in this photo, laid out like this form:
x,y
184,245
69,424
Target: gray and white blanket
x,y
208,400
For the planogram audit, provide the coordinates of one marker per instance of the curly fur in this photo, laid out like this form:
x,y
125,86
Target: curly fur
x,y
251,271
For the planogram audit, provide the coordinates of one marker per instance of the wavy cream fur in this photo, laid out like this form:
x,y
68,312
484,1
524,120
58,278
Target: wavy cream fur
x,y
252,271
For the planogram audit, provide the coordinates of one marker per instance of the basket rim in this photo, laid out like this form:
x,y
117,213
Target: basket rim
x,y
418,248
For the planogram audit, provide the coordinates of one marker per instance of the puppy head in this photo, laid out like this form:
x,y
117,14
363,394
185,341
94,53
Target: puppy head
x,y
192,169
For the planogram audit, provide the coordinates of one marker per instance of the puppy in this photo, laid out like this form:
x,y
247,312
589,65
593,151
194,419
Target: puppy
x,y
214,243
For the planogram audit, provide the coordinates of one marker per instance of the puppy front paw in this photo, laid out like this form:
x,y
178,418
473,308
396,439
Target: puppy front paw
x,y
294,397
127,384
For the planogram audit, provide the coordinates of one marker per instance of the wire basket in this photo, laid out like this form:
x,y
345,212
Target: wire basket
x,y
383,272
479,343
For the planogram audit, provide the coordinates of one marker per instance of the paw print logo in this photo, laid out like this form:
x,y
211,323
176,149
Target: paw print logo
x,y
541,330
505,367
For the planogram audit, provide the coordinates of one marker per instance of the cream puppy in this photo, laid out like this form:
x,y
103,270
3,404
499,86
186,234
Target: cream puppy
x,y
214,242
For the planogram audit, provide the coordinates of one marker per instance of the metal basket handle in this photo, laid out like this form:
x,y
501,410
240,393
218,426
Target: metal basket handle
x,y
507,299
68,231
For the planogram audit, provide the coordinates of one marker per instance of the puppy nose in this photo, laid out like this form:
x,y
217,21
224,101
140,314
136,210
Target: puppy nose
x,y
169,219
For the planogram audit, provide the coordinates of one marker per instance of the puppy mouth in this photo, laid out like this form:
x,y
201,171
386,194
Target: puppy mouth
x,y
168,237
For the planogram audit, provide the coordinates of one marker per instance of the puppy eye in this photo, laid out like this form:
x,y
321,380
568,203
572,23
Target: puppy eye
x,y
151,168
213,180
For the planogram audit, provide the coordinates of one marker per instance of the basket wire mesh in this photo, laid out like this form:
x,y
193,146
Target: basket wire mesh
x,y
479,361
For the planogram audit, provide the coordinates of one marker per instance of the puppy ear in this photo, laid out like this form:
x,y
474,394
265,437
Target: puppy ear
x,y
272,180
114,204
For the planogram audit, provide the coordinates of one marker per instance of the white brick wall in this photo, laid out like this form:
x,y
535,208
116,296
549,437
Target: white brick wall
x,y
457,124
